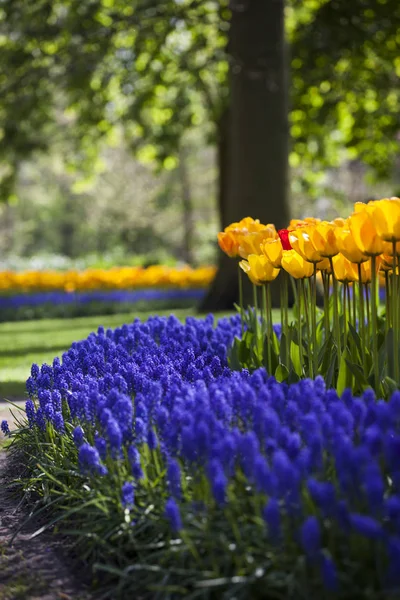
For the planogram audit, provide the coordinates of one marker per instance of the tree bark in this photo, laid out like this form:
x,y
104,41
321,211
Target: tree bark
x,y
254,166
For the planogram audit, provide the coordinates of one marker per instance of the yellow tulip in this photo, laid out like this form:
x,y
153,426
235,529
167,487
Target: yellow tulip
x,y
250,241
363,229
296,223
347,246
259,269
323,236
386,216
302,241
296,265
272,249
345,271
228,239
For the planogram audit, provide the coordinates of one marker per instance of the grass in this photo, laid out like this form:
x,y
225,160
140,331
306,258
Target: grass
x,y
25,342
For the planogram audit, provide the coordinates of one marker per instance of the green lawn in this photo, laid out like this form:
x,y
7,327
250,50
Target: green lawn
x,y
25,342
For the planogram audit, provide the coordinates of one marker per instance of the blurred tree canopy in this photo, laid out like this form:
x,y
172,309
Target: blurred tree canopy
x,y
82,69
160,67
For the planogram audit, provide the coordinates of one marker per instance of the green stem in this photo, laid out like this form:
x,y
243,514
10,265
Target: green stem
x,y
374,319
336,313
267,327
368,312
325,279
395,315
346,309
241,299
387,302
354,305
308,329
284,305
255,301
361,316
314,320
299,325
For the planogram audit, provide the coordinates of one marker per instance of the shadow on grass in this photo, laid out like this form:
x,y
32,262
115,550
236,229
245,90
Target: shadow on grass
x,y
12,389
57,349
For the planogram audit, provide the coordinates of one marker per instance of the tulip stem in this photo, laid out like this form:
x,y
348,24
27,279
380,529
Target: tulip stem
x,y
299,325
314,320
336,313
255,301
241,299
368,312
268,325
361,316
284,305
374,317
325,279
346,309
353,285
387,302
395,314
307,318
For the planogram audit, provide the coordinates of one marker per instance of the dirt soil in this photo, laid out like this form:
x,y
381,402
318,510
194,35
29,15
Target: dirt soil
x,y
32,568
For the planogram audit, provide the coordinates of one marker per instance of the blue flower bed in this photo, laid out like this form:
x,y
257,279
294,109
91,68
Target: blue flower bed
x,y
18,300
182,477
102,302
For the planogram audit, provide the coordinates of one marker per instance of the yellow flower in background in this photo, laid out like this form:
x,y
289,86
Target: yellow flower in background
x,y
296,265
250,241
345,271
347,246
303,243
272,249
386,217
259,269
364,233
100,279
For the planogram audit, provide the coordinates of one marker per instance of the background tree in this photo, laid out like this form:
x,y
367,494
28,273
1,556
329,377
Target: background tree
x,y
158,68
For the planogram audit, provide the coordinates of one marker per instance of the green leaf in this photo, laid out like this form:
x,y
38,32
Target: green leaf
x,y
359,375
281,373
295,358
345,376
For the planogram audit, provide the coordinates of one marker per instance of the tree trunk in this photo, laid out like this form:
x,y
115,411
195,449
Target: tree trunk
x,y
187,205
254,177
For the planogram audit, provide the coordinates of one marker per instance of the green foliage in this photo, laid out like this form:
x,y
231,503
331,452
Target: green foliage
x,y
345,96
344,361
159,68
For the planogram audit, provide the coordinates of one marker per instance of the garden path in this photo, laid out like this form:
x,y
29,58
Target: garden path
x,y
32,568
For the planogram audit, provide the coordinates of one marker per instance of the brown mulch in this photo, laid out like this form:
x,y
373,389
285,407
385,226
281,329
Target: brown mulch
x,y
32,568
